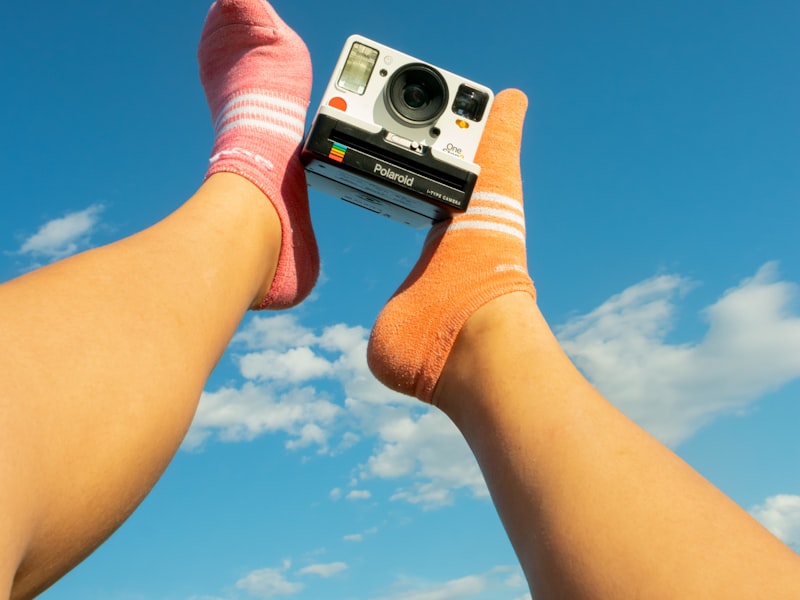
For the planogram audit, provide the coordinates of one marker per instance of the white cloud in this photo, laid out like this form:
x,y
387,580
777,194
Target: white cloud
x,y
274,332
429,450
411,441
269,583
348,440
751,347
309,435
516,580
242,414
359,495
295,365
494,583
324,571
451,590
274,582
781,515
359,537
63,236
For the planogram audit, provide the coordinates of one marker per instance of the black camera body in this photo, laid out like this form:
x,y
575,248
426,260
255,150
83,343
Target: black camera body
x,y
396,136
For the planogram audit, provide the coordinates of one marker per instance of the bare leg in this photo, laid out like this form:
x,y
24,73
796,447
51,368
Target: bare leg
x,y
110,349
594,506
109,352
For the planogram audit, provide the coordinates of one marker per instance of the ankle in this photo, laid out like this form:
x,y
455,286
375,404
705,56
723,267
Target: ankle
x,y
482,347
465,263
257,223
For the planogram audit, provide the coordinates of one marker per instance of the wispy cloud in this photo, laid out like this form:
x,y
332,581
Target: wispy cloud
x,y
456,589
359,537
429,452
63,236
411,442
751,347
781,515
359,495
327,401
325,571
497,581
500,581
270,583
503,581
273,582
295,365
242,414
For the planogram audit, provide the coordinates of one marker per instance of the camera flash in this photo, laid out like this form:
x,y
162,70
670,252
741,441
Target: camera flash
x,y
358,68
462,124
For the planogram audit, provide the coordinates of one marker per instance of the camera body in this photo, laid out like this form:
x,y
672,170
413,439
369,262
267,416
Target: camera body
x,y
396,135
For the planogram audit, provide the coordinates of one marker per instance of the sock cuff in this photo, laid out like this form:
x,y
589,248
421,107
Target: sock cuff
x,y
267,170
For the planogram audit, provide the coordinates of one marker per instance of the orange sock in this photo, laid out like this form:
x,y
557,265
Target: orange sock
x,y
466,262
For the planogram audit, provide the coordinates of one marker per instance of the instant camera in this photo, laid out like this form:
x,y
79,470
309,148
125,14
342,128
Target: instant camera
x,y
396,136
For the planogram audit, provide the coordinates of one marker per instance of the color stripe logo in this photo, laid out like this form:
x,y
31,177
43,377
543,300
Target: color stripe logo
x,y
337,152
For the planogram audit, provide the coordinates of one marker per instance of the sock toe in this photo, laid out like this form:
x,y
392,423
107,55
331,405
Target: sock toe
x,y
242,12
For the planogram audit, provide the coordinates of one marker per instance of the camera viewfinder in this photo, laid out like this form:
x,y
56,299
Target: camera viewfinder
x,y
470,103
358,68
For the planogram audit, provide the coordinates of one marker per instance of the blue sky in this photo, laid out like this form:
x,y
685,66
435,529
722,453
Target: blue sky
x,y
660,161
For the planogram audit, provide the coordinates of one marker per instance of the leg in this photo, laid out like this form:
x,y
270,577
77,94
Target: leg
x,y
594,507
111,348
111,351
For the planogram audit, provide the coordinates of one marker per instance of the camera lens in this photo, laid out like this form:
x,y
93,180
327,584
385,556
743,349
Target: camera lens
x,y
414,96
417,94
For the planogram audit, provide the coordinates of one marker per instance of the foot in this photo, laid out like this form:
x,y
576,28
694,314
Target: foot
x,y
256,73
466,262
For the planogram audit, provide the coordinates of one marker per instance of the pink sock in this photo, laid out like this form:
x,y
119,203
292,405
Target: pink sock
x,y
256,73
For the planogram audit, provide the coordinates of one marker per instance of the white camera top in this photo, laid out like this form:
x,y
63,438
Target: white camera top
x,y
397,135
416,101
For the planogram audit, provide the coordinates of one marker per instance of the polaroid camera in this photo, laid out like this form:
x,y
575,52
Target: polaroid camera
x,y
396,136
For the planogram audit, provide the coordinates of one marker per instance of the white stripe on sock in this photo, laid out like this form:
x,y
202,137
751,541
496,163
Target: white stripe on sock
x,y
260,110
498,213
488,226
265,125
506,201
261,114
506,268
253,99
